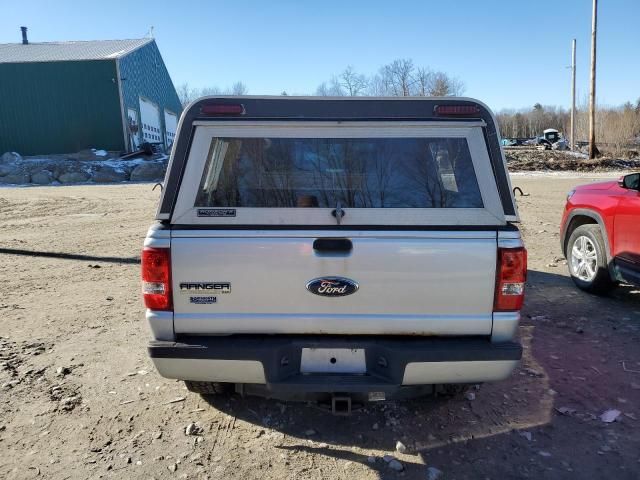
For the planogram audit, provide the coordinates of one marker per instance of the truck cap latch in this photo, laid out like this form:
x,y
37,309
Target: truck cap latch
x,y
338,212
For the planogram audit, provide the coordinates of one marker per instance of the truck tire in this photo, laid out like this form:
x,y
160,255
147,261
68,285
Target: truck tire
x,y
587,260
208,388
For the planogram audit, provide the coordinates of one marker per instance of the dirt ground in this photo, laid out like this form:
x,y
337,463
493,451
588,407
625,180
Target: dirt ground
x,y
80,399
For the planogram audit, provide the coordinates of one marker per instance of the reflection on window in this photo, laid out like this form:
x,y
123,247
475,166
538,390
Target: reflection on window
x,y
354,172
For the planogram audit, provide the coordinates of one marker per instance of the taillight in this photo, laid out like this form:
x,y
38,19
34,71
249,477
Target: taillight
x,y
215,109
456,110
511,275
156,278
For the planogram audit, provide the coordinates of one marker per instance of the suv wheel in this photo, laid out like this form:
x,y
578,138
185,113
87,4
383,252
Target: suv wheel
x,y
587,260
208,388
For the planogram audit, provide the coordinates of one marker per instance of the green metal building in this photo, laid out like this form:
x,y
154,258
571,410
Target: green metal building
x,y
63,97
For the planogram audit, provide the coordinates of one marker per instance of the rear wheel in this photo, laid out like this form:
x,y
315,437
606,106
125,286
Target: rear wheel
x,y
587,260
208,388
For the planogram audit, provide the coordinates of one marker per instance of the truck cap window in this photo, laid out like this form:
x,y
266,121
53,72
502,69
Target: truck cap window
x,y
350,172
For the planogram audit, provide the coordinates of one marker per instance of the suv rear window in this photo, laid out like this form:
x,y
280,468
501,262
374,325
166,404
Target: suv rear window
x,y
351,172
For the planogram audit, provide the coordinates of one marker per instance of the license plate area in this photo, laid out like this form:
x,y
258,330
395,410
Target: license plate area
x,y
333,360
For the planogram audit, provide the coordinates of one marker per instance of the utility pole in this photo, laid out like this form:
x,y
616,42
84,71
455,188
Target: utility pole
x,y
573,95
592,93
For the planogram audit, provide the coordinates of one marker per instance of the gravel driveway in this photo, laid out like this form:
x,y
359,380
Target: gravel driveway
x,y
80,399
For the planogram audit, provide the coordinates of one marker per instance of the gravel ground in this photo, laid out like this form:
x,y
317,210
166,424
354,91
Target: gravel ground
x,y
80,399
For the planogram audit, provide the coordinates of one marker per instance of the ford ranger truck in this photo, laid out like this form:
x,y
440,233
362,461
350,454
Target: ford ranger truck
x,y
335,248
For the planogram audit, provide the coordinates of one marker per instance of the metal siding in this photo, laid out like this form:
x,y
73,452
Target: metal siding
x,y
59,107
144,74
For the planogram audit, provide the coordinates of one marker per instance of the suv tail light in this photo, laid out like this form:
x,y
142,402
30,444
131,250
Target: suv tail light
x,y
511,275
156,278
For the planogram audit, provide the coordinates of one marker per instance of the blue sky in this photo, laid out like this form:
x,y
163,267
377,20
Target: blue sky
x,y
510,54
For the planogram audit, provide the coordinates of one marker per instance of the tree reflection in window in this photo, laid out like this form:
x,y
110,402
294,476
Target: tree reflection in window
x,y
355,172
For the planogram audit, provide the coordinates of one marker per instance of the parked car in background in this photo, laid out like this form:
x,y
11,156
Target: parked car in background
x,y
600,233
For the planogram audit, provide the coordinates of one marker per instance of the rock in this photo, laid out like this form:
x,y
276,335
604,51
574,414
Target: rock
x,y
400,447
371,459
396,465
69,403
15,179
542,453
433,473
610,415
10,157
7,169
173,467
470,396
109,174
62,371
147,172
193,429
375,426
310,432
73,177
388,458
43,177
526,435
566,410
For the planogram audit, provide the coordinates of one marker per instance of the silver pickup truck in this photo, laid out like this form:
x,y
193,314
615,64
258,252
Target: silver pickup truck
x,y
335,248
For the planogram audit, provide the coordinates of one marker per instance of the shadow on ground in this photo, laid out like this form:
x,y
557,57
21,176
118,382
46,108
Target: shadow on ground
x,y
510,429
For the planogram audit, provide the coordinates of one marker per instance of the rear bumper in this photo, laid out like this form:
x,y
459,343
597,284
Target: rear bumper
x,y
391,362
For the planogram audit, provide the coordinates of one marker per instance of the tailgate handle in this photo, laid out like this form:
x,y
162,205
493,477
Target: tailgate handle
x,y
332,245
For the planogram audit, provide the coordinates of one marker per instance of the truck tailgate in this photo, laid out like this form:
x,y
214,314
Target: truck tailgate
x,y
409,283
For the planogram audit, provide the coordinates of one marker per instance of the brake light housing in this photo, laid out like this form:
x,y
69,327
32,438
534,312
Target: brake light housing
x,y
456,110
222,109
511,275
156,278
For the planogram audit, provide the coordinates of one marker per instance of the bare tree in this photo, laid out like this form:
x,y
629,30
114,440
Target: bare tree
x,y
424,82
186,94
239,88
442,85
330,89
354,83
398,77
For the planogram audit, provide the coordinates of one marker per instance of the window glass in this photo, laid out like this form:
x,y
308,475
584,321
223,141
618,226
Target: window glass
x,y
352,172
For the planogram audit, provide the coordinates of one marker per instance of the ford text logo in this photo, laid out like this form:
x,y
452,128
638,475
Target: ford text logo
x,y
332,286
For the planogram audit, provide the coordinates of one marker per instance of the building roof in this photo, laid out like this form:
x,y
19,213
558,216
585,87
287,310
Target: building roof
x,y
68,51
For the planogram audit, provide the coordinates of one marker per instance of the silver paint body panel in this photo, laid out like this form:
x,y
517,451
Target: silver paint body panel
x,y
417,284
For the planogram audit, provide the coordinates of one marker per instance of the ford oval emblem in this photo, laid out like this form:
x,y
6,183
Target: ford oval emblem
x,y
332,286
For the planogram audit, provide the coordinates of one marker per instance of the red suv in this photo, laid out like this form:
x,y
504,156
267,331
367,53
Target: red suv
x,y
600,233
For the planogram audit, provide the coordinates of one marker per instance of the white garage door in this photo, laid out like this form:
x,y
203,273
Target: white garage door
x,y
150,122
170,125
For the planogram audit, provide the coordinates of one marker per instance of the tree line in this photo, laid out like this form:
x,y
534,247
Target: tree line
x,y
400,78
617,126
